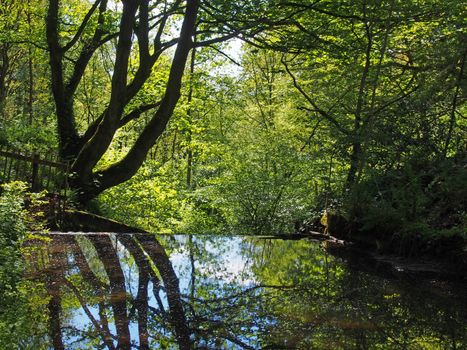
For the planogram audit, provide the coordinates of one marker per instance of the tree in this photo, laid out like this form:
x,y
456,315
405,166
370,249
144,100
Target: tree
x,y
262,161
93,32
368,69
72,46
145,31
25,101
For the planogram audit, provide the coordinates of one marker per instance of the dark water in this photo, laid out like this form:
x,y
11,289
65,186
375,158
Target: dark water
x,y
204,292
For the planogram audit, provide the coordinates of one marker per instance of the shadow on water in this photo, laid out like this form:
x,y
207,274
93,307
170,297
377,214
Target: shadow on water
x,y
205,292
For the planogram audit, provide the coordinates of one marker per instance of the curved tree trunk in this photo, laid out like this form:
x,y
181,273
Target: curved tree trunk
x,y
85,151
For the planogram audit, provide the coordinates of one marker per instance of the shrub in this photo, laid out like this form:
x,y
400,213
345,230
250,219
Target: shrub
x,y
419,203
16,311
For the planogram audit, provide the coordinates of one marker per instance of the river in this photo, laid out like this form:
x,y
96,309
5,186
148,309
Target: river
x,y
109,291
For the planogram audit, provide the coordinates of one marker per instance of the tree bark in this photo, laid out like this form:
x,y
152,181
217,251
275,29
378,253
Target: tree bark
x,y
67,133
189,156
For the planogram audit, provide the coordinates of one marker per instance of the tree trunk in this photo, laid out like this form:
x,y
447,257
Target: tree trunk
x,y
189,156
356,155
452,119
89,185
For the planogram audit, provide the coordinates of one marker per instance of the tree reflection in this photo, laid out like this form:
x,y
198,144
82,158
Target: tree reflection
x,y
73,283
231,293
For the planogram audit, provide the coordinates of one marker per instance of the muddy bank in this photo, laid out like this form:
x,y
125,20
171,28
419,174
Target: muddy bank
x,y
81,221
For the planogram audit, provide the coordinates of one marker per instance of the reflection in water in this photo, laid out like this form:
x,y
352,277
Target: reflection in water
x,y
204,292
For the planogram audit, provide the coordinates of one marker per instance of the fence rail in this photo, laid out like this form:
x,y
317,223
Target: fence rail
x,y
42,173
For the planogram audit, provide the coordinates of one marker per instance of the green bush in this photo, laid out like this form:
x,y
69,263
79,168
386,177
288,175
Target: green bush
x,y
423,201
16,311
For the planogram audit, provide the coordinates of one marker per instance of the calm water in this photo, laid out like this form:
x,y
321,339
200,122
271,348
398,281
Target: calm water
x,y
204,292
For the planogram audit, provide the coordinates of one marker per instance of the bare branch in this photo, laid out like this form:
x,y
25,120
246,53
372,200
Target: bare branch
x,y
225,55
136,113
316,108
82,26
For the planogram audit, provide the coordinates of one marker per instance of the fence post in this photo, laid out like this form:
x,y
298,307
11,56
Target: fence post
x,y
35,173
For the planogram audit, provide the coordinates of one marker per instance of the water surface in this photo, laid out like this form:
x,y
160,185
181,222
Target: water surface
x,y
104,291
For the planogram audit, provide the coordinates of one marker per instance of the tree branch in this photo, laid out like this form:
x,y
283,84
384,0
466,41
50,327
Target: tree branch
x,y
225,55
317,109
87,52
128,166
101,139
136,113
82,26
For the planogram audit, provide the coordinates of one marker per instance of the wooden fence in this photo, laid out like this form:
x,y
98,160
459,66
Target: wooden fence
x,y
42,173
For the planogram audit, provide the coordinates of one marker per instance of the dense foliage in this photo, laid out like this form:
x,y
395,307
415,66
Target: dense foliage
x,y
352,107
231,117
20,312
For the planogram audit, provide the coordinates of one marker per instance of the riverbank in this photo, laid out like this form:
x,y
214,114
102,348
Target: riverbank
x,y
365,252
82,221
